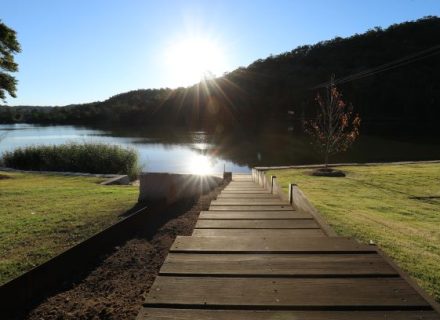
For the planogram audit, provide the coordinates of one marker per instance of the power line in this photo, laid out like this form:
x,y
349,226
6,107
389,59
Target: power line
x,y
385,67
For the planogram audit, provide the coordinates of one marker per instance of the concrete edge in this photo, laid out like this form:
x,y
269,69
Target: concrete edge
x,y
118,180
301,201
297,198
434,304
351,164
169,187
259,176
34,284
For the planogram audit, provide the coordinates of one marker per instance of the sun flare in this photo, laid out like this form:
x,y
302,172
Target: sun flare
x,y
201,165
192,58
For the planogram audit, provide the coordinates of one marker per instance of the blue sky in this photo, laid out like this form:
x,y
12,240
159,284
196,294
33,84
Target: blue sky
x,y
76,51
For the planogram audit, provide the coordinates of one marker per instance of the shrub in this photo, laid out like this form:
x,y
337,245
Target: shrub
x,y
74,157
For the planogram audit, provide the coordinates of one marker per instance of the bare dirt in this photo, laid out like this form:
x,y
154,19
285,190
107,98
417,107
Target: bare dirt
x,y
328,172
116,288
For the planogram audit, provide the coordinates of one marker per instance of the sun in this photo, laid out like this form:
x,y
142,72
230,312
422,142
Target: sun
x,y
189,59
200,165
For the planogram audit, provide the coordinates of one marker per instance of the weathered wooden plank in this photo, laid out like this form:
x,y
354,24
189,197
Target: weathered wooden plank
x,y
241,177
268,244
325,293
242,183
248,202
250,215
257,224
262,191
239,190
277,264
200,314
247,196
254,187
250,208
259,232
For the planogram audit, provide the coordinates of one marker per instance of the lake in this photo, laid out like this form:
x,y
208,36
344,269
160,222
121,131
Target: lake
x,y
182,151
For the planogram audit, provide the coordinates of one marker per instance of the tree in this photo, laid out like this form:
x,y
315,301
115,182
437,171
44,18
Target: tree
x,y
335,128
8,47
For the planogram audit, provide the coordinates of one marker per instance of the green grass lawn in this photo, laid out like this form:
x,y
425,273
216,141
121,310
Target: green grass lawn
x,y
396,206
43,215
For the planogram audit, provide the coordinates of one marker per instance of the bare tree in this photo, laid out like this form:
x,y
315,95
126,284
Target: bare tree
x,y
336,127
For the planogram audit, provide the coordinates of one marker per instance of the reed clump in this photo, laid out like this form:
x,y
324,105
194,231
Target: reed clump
x,y
98,158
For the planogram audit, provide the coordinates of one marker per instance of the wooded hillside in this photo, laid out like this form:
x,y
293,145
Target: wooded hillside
x,y
395,79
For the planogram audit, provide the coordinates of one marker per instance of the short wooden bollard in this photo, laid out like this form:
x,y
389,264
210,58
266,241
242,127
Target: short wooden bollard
x,y
291,185
272,182
227,176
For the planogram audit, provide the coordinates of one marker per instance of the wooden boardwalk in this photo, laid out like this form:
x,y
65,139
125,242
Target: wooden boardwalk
x,y
252,256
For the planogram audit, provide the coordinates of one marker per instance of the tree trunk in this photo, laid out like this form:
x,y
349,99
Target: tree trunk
x,y
326,160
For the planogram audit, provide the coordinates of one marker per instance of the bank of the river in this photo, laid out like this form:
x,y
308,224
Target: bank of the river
x,y
43,215
396,206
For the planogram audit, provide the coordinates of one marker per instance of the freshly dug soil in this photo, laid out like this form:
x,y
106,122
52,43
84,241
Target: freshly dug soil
x,y
117,287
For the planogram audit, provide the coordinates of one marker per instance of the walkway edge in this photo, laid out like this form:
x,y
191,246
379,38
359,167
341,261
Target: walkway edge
x,y
259,176
299,202
349,164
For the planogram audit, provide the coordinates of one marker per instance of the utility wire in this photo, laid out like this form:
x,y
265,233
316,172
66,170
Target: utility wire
x,y
385,67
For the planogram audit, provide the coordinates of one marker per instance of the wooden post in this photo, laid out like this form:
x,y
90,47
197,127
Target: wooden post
x,y
271,183
291,185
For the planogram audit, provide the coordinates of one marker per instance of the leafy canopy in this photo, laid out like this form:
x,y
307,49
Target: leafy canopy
x,y
8,47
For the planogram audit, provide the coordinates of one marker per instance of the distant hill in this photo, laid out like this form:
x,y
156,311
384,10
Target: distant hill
x,y
403,90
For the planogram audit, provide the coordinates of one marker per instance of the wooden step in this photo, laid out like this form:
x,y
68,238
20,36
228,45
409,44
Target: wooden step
x,y
264,244
262,191
274,293
200,314
257,224
240,190
242,183
248,202
252,215
323,265
250,208
247,196
259,232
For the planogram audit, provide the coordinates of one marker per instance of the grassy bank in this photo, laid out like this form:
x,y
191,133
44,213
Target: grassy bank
x,y
75,157
396,206
43,215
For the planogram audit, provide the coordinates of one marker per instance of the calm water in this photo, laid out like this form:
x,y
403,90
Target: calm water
x,y
172,150
157,153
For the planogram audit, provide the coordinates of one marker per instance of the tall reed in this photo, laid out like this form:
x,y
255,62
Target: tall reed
x,y
75,157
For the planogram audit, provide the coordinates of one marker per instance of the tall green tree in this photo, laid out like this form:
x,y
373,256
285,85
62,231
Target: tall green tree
x,y
8,47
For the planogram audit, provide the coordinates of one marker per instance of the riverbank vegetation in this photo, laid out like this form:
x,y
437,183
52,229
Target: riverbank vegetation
x,y
396,206
390,75
75,157
43,215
